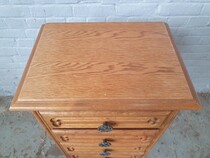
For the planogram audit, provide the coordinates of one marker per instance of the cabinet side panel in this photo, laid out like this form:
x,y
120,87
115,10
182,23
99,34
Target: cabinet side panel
x,y
163,128
46,127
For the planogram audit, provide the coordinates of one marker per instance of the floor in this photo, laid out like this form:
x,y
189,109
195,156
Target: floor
x,y
22,137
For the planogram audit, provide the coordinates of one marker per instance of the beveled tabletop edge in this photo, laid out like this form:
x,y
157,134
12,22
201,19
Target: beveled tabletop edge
x,y
189,82
15,98
121,104
36,105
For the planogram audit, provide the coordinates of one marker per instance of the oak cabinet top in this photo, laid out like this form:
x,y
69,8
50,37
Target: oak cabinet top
x,y
103,66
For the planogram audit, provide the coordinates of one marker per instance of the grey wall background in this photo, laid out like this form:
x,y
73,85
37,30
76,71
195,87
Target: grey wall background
x,y
20,21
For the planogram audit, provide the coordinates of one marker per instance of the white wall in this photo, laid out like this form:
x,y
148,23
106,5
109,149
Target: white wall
x,y
20,21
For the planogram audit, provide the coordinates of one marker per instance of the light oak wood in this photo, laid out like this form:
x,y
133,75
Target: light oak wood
x,y
113,153
124,136
118,113
166,124
72,149
115,143
80,75
102,66
96,156
47,129
65,121
97,149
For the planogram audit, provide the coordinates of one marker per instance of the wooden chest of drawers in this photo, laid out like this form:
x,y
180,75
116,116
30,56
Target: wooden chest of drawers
x,y
105,89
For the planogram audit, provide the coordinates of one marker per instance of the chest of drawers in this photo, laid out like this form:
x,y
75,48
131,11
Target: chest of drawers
x,y
105,89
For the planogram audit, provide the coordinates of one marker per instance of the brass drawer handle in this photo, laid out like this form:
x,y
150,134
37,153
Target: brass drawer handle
x,y
105,153
105,127
105,143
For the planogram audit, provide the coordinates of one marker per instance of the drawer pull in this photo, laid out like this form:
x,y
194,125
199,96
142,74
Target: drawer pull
x,y
105,153
105,127
105,143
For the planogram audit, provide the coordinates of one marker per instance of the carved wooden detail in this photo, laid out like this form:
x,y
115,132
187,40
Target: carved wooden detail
x,y
64,138
153,121
56,122
70,149
63,120
145,139
138,148
136,157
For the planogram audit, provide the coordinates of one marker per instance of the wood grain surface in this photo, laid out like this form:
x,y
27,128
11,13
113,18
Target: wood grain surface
x,y
98,149
94,122
80,75
113,153
105,113
104,66
123,136
126,155
119,142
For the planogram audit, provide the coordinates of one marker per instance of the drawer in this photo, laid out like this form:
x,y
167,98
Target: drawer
x,y
85,148
117,138
116,156
96,156
137,120
113,155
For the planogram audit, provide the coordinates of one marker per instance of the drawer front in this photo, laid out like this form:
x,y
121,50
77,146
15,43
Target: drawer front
x,y
143,142
115,137
63,120
113,155
85,148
